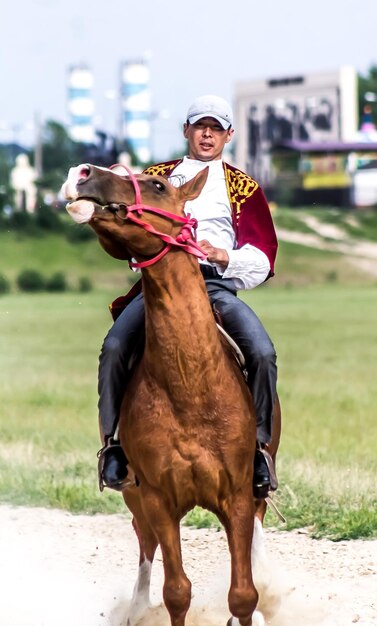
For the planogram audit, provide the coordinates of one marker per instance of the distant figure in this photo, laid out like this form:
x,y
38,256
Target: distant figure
x,y
367,124
22,179
368,130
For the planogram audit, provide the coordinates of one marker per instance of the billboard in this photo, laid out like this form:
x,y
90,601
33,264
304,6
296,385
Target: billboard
x,y
313,107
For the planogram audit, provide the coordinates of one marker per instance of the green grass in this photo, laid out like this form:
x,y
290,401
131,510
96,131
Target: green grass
x,y
53,253
48,429
296,265
325,338
319,311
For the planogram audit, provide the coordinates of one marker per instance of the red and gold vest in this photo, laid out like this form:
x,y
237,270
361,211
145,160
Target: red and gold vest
x,y
252,221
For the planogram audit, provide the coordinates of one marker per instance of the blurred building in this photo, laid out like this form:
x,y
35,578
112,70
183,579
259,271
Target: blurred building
x,y
80,103
136,108
298,137
309,107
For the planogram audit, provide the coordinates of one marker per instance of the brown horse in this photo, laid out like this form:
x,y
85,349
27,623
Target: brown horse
x,y
187,422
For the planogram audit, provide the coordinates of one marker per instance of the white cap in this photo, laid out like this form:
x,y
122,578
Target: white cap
x,y
211,106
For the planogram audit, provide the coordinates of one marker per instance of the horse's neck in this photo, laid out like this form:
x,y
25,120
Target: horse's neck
x,y
182,340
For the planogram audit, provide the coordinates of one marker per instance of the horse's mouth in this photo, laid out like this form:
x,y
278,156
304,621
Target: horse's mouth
x,y
112,207
97,205
94,201
83,208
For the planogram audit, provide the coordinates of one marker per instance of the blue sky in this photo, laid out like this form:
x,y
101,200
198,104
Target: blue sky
x,y
197,47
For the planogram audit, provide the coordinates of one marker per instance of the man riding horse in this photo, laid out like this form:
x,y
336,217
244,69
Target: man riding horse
x,y
236,231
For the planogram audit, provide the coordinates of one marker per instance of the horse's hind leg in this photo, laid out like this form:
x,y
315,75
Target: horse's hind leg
x,y
258,551
147,543
238,520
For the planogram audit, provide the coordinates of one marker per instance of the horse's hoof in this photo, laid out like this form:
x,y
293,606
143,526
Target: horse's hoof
x,y
258,620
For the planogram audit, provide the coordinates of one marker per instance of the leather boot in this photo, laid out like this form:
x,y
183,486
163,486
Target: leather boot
x,y
264,473
112,466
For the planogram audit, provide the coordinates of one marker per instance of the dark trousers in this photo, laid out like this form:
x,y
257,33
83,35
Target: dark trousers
x,y
240,322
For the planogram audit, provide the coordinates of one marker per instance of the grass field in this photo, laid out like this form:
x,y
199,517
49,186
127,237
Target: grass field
x,y
325,336
53,253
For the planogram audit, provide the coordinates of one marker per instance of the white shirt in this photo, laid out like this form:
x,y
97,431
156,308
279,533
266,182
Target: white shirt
x,y
248,266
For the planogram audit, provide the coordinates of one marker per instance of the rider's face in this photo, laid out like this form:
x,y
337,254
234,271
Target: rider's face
x,y
206,139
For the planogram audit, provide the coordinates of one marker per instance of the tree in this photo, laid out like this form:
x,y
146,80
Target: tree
x,y
59,153
367,93
6,164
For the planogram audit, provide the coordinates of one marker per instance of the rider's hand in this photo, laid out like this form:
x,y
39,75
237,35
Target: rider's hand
x,y
215,255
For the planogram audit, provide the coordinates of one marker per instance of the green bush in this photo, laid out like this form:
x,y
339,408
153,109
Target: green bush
x,y
4,221
331,276
47,219
31,280
57,282
80,232
4,284
85,284
23,222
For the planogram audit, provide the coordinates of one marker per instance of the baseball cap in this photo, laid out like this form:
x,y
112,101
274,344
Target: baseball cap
x,y
211,106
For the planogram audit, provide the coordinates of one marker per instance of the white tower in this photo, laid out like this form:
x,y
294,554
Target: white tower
x,y
136,108
80,104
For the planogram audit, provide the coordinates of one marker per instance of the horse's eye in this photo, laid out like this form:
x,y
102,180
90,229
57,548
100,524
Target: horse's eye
x,y
158,185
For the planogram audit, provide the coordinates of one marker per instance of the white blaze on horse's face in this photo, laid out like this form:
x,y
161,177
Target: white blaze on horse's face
x,y
82,210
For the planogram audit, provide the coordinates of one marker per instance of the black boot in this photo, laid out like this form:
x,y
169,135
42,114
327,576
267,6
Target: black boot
x,y
112,466
264,473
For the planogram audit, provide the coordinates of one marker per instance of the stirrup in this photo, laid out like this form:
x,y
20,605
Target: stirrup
x,y
112,448
275,509
270,466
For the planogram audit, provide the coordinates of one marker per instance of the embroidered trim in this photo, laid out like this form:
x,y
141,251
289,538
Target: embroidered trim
x,y
161,169
240,187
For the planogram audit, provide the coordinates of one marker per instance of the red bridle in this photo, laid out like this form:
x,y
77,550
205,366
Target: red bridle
x,y
185,239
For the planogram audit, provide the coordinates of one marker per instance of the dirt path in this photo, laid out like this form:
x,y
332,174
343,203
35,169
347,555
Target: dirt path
x,y
362,254
57,569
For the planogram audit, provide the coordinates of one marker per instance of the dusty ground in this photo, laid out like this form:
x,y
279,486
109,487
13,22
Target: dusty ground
x,y
58,569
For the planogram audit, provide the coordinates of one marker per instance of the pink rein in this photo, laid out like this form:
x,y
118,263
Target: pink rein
x,y
185,238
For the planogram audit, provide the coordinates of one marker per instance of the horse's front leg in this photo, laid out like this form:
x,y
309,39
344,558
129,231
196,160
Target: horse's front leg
x,y
238,520
140,602
177,587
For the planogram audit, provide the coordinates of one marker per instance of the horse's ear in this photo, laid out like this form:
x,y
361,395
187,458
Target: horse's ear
x,y
193,187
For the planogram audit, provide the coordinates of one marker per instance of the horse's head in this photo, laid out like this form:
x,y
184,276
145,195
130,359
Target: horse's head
x,y
114,205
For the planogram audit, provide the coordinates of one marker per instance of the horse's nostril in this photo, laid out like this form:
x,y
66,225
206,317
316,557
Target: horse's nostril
x,y
83,174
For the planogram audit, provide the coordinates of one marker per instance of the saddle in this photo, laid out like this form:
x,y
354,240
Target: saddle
x,y
237,352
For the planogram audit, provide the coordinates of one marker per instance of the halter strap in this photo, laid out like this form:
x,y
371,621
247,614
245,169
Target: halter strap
x,y
184,240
